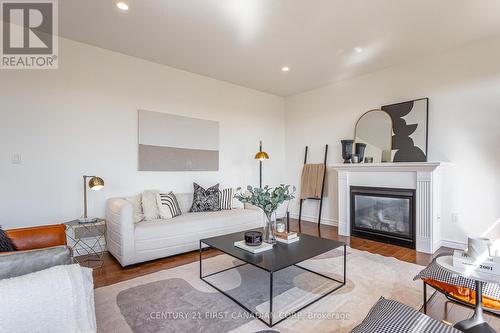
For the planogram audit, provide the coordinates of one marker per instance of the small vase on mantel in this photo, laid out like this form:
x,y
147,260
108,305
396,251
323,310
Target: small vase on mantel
x,y
347,150
269,229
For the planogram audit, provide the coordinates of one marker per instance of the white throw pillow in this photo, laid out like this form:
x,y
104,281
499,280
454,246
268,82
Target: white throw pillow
x,y
168,205
150,205
236,204
136,202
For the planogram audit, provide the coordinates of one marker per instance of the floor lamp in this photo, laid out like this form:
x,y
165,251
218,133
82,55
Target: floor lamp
x,y
261,156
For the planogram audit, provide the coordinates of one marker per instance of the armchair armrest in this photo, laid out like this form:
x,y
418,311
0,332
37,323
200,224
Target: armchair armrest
x,y
19,263
38,237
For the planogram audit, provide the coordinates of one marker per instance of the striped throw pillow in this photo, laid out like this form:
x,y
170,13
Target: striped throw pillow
x,y
226,199
168,206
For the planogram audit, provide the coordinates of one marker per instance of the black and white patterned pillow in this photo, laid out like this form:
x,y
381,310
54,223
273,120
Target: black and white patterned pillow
x,y
6,244
389,316
226,199
205,200
168,206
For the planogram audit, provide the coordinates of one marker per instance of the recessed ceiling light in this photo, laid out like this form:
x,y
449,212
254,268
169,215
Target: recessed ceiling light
x,y
285,69
358,49
122,5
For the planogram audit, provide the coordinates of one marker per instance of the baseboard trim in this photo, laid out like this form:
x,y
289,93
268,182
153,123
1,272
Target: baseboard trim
x,y
453,244
314,219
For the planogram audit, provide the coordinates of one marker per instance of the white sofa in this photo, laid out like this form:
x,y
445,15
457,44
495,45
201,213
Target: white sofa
x,y
132,243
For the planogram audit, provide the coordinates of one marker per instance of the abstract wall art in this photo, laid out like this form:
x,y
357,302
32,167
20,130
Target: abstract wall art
x,y
409,130
170,142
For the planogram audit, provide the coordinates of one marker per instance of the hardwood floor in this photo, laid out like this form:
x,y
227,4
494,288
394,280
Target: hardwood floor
x,y
438,307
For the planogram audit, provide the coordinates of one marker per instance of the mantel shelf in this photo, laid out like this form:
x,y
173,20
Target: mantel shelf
x,y
388,166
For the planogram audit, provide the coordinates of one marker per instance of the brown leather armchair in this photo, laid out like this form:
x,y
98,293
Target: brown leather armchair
x,y
39,248
39,237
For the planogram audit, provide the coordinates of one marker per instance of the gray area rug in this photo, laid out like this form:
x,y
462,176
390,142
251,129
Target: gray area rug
x,y
176,300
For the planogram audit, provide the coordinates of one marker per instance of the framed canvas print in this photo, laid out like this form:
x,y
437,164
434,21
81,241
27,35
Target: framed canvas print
x,y
409,130
169,142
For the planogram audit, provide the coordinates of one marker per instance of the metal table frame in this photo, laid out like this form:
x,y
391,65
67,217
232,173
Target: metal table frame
x,y
255,313
477,318
88,245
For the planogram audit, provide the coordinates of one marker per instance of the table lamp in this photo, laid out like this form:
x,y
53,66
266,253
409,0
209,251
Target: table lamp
x,y
261,156
95,184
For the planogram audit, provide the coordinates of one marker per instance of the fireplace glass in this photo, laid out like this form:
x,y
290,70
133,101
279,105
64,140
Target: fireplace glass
x,y
383,214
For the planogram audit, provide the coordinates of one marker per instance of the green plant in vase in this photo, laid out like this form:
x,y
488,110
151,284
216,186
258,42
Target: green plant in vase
x,y
268,199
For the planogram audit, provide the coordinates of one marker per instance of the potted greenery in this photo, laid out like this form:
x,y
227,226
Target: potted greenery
x,y
268,199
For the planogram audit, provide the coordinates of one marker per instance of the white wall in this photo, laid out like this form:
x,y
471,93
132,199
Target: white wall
x,y
464,128
82,119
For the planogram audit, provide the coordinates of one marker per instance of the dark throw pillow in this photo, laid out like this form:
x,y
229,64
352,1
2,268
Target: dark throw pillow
x,y
6,244
205,200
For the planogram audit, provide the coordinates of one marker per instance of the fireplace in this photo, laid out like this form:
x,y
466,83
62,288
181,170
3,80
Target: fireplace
x,y
384,214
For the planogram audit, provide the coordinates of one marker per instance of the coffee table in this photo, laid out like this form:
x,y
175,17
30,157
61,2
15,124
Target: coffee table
x,y
280,257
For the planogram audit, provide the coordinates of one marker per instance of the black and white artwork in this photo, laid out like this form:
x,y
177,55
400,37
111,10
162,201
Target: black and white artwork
x,y
409,130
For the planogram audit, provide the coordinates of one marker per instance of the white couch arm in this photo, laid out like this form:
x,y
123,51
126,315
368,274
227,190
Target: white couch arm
x,y
120,230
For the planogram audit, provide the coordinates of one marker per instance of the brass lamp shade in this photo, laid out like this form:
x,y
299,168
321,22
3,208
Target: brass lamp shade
x,y
261,155
96,183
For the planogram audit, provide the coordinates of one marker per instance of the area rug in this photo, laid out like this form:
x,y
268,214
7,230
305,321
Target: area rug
x,y
176,300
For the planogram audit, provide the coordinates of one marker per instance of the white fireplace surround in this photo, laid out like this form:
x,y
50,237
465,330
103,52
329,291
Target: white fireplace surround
x,y
424,177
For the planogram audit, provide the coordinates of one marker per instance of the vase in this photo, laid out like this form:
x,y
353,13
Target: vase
x,y
269,229
347,150
360,151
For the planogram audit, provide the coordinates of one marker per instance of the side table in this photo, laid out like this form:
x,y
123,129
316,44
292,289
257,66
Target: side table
x,y
84,239
476,323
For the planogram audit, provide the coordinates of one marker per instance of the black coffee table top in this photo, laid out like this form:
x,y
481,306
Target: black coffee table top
x,y
281,256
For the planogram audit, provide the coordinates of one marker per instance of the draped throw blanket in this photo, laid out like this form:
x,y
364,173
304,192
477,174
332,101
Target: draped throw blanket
x,y
312,181
56,300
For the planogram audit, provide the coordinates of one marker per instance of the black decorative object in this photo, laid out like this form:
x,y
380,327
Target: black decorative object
x,y
6,244
409,126
253,238
347,150
360,151
368,159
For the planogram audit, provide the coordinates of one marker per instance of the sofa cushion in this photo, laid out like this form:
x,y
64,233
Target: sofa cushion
x,y
391,316
205,200
136,201
150,205
226,199
157,234
168,205
185,201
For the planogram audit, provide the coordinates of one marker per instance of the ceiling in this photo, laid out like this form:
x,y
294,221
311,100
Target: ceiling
x,y
247,42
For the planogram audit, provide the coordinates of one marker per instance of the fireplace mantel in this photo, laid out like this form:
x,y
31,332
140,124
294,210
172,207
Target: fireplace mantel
x,y
423,177
388,166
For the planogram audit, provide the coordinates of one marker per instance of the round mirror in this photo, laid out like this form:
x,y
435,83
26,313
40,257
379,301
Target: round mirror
x,y
374,128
